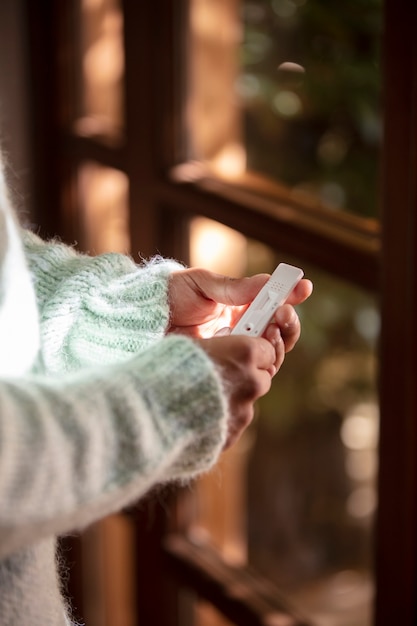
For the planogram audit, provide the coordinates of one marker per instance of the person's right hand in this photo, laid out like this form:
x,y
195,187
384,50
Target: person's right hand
x,y
247,365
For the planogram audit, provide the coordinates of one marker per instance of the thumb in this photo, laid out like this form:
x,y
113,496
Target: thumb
x,y
233,291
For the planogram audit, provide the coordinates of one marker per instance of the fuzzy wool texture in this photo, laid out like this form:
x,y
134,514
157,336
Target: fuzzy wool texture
x,y
101,407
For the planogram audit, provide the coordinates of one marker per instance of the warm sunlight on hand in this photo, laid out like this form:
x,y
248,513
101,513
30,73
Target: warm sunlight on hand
x,y
203,303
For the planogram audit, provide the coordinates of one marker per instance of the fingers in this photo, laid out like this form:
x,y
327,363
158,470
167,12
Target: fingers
x,y
262,353
241,291
235,291
244,357
301,292
285,329
274,337
246,365
226,290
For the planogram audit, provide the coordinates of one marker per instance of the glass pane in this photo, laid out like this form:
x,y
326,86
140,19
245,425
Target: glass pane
x,y
312,471
290,89
214,121
103,214
296,498
100,70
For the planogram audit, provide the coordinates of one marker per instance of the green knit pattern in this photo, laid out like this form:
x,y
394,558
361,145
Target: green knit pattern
x,y
106,436
113,408
96,309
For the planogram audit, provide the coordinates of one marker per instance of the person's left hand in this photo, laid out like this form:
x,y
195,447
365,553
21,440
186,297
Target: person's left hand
x,y
202,302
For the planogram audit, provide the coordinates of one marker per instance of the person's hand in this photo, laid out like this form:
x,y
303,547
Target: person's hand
x,y
202,302
246,365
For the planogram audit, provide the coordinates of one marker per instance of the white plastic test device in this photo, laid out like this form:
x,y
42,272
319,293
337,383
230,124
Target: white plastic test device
x,y
274,293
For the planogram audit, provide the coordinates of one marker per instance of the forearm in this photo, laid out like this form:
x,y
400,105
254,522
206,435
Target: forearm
x,y
100,309
80,447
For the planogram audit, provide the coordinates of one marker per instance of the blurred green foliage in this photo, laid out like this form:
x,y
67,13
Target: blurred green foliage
x,y
315,124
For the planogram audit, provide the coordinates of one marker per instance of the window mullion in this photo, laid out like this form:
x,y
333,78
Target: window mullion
x,y
239,593
350,254
396,547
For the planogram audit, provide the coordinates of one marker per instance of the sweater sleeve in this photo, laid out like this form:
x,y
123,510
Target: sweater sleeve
x,y
93,310
82,445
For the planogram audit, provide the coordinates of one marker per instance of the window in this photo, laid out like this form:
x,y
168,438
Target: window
x,y
181,135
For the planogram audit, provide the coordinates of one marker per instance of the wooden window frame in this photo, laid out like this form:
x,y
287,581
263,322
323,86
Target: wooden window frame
x,y
351,248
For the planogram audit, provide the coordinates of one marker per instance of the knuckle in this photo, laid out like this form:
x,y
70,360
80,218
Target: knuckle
x,y
245,348
253,388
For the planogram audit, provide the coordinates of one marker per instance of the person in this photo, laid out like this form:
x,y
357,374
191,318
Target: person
x,y
113,379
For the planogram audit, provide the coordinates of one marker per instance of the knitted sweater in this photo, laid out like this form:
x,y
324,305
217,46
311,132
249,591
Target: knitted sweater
x,y
97,405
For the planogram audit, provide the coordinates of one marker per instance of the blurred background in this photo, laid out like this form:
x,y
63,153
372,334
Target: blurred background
x,y
233,135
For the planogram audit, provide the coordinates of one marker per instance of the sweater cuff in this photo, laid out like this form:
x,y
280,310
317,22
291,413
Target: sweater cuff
x,y
96,310
119,319
184,392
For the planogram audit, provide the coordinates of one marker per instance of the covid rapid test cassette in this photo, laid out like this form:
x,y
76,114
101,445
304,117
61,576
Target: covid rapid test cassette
x,y
272,295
